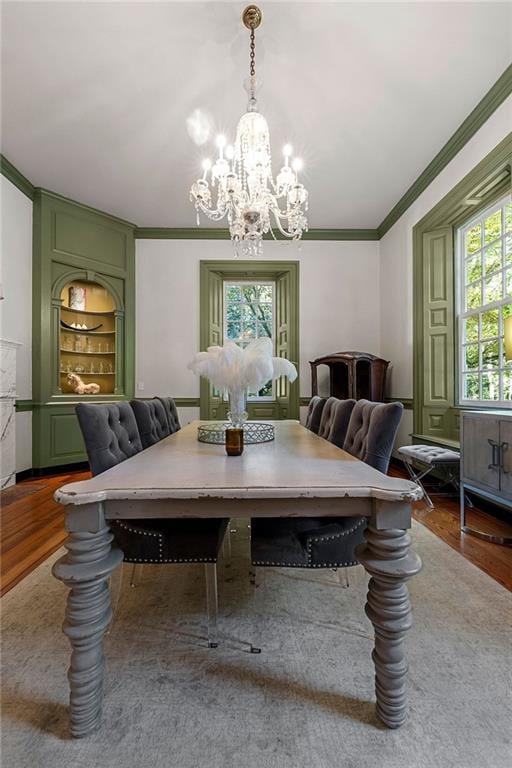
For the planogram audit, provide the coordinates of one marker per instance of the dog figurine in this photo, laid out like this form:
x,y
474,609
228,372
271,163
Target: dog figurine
x,y
80,388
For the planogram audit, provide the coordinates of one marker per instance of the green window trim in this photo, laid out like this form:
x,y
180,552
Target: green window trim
x,y
435,328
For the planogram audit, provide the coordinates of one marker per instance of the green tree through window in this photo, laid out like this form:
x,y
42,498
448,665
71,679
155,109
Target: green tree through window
x,y
485,301
249,315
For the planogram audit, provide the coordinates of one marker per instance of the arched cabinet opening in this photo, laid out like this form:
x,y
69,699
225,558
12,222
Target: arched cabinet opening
x,y
87,339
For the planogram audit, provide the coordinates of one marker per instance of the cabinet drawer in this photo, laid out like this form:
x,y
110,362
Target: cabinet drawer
x,y
506,458
478,436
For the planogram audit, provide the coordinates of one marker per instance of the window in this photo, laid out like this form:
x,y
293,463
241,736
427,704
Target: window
x,y
248,315
485,300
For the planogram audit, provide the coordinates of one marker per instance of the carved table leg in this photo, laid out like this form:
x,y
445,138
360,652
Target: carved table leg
x,y
386,556
86,569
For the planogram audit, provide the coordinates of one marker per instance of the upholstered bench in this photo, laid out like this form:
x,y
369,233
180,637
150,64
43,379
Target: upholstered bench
x,y
429,458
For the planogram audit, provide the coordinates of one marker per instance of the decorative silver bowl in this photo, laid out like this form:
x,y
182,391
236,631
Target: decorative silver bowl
x,y
254,432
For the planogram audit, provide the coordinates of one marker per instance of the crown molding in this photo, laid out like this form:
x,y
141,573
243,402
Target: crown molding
x,y
11,173
473,122
212,233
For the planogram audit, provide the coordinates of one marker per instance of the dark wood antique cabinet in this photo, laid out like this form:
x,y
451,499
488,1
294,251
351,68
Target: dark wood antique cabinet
x,y
83,320
352,374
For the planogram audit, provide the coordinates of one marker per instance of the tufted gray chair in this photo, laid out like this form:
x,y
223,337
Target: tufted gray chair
x,y
172,413
315,408
340,421
371,432
330,542
111,436
327,418
151,420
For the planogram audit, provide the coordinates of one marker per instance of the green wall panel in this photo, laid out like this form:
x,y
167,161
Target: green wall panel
x,y
73,242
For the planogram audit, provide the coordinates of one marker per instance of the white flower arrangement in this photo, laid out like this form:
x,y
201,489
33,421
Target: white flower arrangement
x,y
231,368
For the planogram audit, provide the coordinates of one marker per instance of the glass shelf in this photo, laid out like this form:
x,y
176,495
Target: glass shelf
x,y
88,311
77,352
87,333
88,373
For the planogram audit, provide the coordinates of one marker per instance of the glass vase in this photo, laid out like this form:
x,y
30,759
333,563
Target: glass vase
x,y
237,413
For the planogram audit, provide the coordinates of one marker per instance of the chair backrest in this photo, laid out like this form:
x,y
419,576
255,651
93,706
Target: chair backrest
x,y
110,433
151,420
340,421
327,417
371,432
316,413
172,413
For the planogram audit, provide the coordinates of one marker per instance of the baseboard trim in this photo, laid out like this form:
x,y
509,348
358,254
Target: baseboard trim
x,y
35,472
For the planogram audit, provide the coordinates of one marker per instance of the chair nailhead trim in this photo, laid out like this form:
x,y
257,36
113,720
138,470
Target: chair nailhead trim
x,y
305,565
332,537
171,560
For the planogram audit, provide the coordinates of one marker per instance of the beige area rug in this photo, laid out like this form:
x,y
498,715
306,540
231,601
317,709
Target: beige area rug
x,y
305,702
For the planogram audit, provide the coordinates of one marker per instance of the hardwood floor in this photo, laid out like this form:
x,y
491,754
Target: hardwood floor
x,y
32,527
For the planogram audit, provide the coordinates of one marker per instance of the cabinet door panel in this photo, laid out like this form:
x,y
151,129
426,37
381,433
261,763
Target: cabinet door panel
x,y
478,453
506,458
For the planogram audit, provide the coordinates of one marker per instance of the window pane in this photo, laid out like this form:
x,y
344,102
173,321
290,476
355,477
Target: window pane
x,y
470,357
234,331
248,312
490,386
474,268
492,258
250,292
493,288
490,354
249,331
508,215
233,313
474,296
471,328
474,239
265,293
233,293
471,387
489,324
507,384
492,227
507,256
508,282
264,330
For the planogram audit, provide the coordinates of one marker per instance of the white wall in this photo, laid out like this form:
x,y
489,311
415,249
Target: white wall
x,y
396,285
16,307
339,305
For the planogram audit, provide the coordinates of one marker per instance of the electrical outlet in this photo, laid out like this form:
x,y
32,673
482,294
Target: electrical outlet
x,y
140,386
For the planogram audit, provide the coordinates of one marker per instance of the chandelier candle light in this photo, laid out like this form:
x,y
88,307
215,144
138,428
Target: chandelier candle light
x,y
235,370
246,191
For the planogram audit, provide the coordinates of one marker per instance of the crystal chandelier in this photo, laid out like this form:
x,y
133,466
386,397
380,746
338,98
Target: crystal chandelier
x,y
246,192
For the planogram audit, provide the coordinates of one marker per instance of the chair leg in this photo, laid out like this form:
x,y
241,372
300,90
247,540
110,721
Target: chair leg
x,y
257,581
136,575
212,603
226,546
417,477
342,577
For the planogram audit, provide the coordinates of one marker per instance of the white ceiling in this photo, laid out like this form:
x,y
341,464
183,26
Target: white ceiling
x,y
95,96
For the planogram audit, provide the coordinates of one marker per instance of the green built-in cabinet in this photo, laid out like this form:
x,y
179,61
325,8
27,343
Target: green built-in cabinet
x,y
77,246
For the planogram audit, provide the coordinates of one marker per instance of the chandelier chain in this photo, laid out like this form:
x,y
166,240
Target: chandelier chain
x,y
252,68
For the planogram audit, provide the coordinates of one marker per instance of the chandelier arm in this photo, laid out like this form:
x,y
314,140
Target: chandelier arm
x,y
278,215
212,213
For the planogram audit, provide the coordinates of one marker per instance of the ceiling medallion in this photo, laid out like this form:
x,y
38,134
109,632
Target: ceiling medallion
x,y
246,193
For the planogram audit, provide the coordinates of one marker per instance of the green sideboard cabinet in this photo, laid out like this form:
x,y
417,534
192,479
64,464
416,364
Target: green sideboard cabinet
x,y
83,320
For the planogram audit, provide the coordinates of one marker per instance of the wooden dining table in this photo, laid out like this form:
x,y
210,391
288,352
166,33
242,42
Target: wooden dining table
x,y
296,474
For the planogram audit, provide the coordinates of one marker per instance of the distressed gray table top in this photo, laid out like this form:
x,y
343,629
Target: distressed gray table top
x,y
297,464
